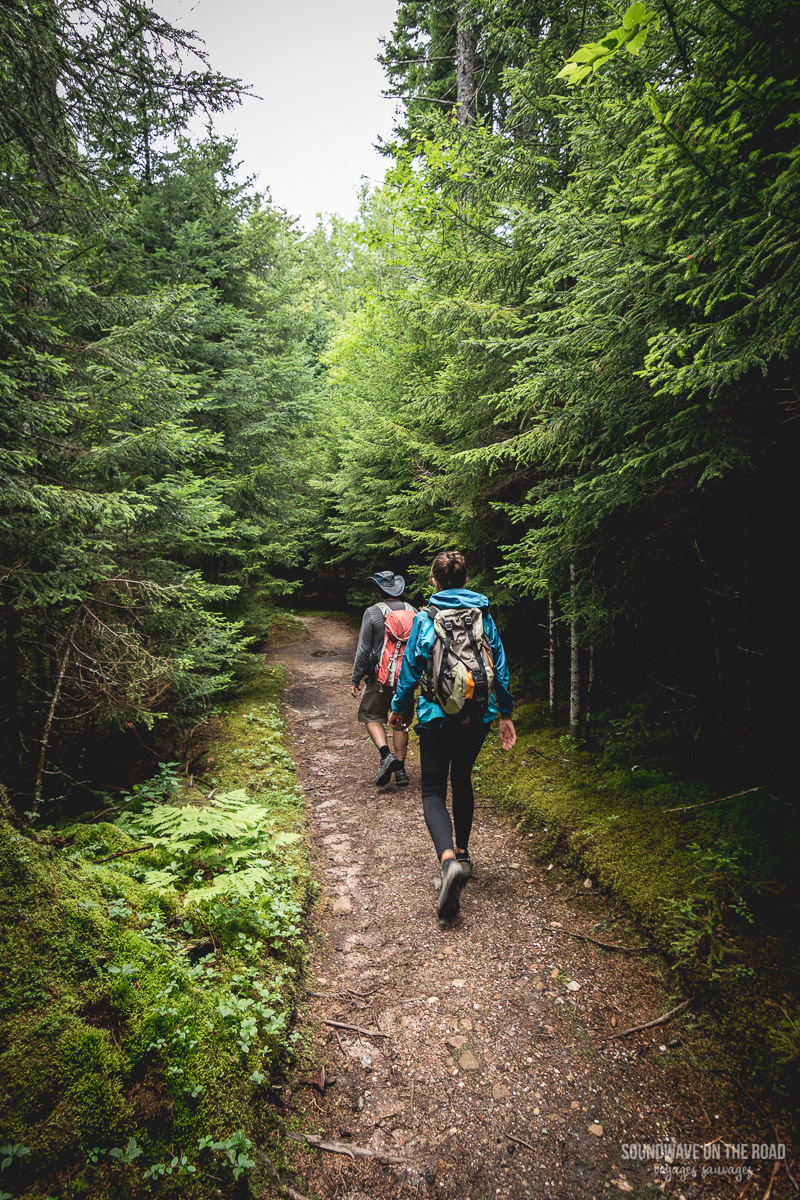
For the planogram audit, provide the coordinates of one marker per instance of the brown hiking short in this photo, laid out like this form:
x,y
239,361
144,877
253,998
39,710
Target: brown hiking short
x,y
375,702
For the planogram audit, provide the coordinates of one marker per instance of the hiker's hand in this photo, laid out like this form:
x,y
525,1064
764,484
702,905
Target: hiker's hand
x,y
355,690
508,734
396,720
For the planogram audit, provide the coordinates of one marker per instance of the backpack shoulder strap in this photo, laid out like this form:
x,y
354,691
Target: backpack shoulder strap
x,y
426,680
384,608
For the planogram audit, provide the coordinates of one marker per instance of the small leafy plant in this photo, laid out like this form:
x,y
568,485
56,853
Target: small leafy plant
x,y
10,1151
235,1149
158,787
699,934
230,844
127,1155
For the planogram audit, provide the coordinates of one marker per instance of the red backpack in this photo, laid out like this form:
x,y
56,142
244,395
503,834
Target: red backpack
x,y
397,624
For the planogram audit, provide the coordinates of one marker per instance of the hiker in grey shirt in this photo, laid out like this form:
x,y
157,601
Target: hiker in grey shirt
x,y
374,706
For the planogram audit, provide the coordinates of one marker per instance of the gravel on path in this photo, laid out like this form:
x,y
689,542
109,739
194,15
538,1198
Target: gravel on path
x,y
480,1057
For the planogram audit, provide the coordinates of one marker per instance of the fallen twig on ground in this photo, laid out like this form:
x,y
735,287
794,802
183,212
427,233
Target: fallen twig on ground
x,y
344,994
606,945
718,800
667,1016
521,1141
355,1151
775,1169
355,1028
286,1188
792,1179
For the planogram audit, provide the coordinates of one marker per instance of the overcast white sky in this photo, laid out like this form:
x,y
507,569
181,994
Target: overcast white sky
x,y
310,138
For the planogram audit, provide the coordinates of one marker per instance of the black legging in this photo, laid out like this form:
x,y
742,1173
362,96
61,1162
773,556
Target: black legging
x,y
449,749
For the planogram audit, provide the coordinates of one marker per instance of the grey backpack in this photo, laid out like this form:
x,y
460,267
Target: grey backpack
x,y
459,674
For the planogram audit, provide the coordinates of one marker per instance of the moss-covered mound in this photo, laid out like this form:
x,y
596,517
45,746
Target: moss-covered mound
x,y
712,885
149,973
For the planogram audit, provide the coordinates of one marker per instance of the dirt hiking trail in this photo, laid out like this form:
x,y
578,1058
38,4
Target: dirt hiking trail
x,y
484,1073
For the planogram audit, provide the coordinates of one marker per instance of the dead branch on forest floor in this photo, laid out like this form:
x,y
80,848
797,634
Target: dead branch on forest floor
x,y
355,1028
285,1188
347,992
673,1012
353,1151
584,937
718,800
513,1137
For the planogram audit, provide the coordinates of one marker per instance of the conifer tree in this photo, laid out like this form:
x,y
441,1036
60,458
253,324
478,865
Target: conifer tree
x,y
596,321
154,369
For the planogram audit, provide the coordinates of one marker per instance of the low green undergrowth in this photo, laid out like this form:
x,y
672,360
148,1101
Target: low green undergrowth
x,y
150,967
711,886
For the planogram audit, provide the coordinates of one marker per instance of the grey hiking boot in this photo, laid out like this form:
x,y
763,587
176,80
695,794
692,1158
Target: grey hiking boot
x,y
400,776
466,862
388,765
454,876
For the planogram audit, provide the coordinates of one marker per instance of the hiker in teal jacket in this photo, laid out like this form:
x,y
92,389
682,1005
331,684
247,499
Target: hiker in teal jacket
x,y
449,745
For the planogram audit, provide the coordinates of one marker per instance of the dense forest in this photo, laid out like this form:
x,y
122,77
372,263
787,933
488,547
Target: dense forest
x,y
563,337
580,359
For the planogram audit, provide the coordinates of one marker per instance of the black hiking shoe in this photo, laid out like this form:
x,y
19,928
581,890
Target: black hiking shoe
x,y
388,765
400,776
454,876
466,862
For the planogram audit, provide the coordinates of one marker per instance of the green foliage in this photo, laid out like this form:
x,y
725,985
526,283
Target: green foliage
x,y
9,1153
579,350
133,1024
231,837
155,376
697,922
636,22
127,1155
784,1036
159,787
235,1149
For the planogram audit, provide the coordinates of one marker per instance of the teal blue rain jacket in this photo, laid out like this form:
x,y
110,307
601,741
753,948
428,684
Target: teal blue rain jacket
x,y
420,643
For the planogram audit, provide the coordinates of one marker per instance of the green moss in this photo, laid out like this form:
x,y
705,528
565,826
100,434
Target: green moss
x,y
112,1025
691,880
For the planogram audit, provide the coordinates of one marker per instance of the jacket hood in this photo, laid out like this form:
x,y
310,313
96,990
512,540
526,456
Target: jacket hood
x,y
459,598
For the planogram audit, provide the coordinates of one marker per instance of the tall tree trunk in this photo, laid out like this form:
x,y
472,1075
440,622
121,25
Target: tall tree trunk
x,y
574,659
590,682
590,669
553,639
466,43
145,108
48,724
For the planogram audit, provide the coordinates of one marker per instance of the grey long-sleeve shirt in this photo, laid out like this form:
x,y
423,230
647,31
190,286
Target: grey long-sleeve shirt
x,y
370,638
